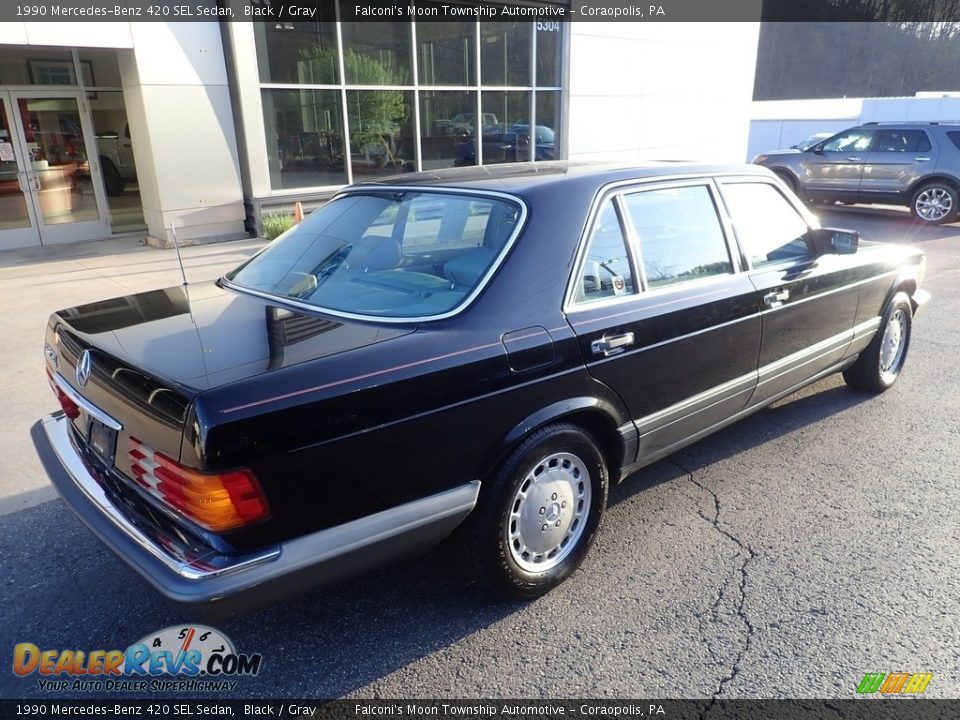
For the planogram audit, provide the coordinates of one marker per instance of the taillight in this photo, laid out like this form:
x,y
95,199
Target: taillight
x,y
69,406
217,502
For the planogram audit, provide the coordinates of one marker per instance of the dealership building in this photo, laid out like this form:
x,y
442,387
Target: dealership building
x,y
201,128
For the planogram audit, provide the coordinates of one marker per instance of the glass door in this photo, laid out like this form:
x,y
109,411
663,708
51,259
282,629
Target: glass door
x,y
65,188
18,226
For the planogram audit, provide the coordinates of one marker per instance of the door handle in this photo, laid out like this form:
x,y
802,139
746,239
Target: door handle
x,y
776,298
35,181
611,345
921,159
854,159
23,188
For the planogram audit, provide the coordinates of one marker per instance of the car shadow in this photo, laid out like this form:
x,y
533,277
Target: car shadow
x,y
821,400
64,590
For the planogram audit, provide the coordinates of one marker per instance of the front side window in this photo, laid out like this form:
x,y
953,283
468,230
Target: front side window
x,y
405,254
769,228
606,269
679,233
852,140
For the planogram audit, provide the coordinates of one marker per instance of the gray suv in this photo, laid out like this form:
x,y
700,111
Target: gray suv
x,y
913,164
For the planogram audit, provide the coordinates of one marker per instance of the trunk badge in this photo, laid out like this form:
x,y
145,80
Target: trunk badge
x,y
84,368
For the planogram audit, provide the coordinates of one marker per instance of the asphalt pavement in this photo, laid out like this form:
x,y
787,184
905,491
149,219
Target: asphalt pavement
x,y
785,556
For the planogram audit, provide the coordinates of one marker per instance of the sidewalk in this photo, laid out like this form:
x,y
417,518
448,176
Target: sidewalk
x,y
37,281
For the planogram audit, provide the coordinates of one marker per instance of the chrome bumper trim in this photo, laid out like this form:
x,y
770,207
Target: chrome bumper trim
x,y
84,404
170,552
185,576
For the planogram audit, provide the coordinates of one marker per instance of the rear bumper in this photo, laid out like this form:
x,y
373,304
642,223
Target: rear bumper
x,y
214,583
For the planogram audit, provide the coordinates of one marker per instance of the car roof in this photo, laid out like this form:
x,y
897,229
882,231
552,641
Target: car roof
x,y
520,177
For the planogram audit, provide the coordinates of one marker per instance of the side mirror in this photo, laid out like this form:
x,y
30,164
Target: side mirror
x,y
834,241
818,149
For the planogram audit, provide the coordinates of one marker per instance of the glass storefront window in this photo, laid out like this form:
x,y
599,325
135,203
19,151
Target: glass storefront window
x,y
549,113
381,132
117,163
445,53
391,87
36,66
299,52
549,50
506,127
376,53
447,128
505,49
304,130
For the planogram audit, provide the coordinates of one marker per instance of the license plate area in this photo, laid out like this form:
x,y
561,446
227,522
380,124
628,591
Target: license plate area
x,y
102,440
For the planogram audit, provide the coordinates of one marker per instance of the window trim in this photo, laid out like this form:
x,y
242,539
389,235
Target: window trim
x,y
464,304
617,191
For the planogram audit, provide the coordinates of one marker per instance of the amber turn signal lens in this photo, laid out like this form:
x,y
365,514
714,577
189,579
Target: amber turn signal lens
x,y
217,502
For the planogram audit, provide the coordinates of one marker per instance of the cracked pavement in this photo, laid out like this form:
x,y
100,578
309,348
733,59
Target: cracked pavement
x,y
784,556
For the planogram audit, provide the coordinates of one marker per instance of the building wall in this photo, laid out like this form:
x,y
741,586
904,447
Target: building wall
x,y
660,91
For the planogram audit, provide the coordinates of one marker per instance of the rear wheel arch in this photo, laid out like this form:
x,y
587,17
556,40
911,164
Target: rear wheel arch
x,y
593,415
788,178
927,179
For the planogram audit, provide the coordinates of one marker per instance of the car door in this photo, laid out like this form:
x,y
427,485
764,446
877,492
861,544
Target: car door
x,y
663,314
834,167
896,159
809,301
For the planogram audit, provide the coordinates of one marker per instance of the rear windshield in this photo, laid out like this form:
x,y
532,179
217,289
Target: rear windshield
x,y
390,255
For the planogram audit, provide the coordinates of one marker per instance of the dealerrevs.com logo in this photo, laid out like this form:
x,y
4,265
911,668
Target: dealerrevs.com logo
x,y
178,658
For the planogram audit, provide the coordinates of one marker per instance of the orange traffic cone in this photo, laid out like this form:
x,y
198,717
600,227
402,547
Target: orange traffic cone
x,y
297,212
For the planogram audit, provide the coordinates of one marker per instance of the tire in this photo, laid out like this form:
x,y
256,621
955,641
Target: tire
x,y
935,203
550,494
112,179
879,365
788,180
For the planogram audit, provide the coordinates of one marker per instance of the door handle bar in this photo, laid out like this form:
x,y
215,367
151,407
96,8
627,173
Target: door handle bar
x,y
612,345
921,159
23,188
776,298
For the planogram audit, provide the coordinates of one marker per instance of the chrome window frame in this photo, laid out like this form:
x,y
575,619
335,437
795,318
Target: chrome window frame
x,y
373,188
622,188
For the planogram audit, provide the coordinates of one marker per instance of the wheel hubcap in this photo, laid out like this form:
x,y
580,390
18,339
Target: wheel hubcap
x,y
934,204
549,512
891,346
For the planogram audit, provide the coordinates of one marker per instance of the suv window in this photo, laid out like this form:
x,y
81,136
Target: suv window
x,y
901,141
768,226
954,138
606,269
856,139
680,234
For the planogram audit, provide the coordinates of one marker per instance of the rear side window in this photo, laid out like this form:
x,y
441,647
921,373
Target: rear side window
x,y
679,233
606,269
769,228
901,141
954,138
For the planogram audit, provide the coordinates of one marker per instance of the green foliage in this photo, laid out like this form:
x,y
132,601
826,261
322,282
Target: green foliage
x,y
274,224
376,116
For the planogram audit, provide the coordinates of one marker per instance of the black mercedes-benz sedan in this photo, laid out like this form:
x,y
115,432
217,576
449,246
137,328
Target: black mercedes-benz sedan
x,y
480,351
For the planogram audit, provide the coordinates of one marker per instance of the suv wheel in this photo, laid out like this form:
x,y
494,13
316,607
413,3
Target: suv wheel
x,y
934,203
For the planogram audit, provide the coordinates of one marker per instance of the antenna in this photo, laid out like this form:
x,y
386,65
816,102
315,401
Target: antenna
x,y
176,245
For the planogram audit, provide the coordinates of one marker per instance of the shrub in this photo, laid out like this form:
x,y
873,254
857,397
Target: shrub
x,y
275,224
